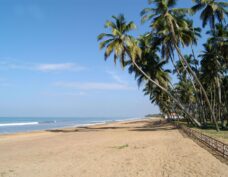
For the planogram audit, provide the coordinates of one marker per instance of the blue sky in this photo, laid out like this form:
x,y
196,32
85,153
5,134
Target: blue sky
x,y
50,63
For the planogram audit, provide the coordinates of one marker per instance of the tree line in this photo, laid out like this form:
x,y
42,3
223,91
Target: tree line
x,y
200,93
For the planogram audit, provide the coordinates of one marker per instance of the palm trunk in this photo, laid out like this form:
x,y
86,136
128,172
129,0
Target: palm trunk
x,y
202,107
214,100
219,98
190,78
201,86
195,122
167,92
192,73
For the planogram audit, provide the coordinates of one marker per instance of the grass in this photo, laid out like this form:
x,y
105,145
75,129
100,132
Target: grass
x,y
222,135
121,147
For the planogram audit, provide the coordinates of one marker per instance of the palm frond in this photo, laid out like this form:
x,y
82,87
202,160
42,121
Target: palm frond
x,y
171,3
109,50
182,11
197,7
147,17
102,35
130,26
110,24
104,43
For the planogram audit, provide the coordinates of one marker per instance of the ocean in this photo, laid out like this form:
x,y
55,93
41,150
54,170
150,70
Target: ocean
x,y
9,125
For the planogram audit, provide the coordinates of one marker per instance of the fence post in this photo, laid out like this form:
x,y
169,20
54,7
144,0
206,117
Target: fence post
x,y
216,145
211,142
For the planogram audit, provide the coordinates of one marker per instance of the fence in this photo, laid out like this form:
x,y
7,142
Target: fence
x,y
214,144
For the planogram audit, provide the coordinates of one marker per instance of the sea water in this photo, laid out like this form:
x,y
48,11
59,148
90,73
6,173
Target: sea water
x,y
19,124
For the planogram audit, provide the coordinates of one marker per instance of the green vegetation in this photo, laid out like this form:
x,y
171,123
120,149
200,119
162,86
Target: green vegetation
x,y
208,129
153,115
201,93
221,135
121,147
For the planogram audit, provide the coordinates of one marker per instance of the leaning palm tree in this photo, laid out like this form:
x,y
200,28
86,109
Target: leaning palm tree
x,y
212,10
158,97
214,63
212,69
219,41
118,39
121,44
171,22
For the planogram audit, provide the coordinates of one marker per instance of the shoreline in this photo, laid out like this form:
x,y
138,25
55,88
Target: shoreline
x,y
74,126
136,148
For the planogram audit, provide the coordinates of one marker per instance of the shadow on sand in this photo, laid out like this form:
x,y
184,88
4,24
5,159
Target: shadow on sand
x,y
147,125
158,125
140,126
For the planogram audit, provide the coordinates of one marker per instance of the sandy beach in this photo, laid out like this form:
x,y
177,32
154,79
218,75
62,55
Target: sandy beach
x,y
147,148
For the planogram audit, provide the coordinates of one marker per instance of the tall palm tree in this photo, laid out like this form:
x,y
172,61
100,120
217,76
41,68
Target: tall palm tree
x,y
212,10
182,69
118,39
169,21
122,45
219,40
186,92
215,63
225,100
212,70
158,97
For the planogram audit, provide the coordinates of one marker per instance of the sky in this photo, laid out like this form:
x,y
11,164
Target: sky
x,y
51,65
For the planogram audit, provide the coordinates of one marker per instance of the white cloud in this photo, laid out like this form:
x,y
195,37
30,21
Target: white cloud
x,y
116,77
58,67
43,67
119,84
93,86
70,94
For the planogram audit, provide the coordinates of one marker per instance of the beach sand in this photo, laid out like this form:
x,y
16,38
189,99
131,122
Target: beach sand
x,y
147,148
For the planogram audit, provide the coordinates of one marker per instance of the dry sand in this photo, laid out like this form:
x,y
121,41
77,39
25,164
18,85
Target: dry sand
x,y
145,149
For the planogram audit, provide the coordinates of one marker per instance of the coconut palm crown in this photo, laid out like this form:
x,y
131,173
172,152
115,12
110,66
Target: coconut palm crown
x,y
212,10
117,41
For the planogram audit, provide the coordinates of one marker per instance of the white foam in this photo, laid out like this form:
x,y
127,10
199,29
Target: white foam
x,y
18,124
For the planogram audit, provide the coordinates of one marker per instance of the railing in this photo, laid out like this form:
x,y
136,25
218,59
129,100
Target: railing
x,y
212,143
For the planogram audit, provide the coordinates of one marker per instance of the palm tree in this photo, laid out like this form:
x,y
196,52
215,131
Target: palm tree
x,y
225,100
187,83
219,40
182,68
121,45
158,97
118,39
212,10
215,64
169,21
186,93
212,71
